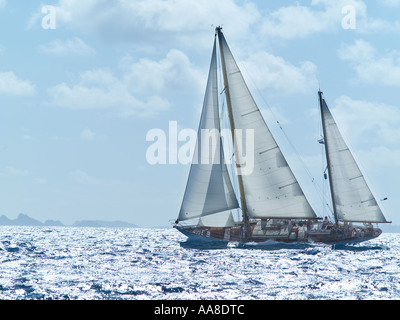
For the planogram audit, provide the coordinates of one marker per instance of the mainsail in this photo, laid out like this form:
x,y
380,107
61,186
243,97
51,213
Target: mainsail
x,y
209,189
271,190
352,198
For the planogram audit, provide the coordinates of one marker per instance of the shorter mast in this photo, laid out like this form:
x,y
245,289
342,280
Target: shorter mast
x,y
232,125
328,160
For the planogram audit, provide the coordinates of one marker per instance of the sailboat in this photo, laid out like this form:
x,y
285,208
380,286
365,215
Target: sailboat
x,y
272,203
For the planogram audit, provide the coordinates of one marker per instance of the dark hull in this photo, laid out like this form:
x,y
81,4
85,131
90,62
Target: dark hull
x,y
302,234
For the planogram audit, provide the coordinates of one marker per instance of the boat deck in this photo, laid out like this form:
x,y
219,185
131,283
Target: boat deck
x,y
284,232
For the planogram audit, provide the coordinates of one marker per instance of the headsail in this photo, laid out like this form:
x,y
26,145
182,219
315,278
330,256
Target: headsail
x,y
218,220
351,196
271,190
209,189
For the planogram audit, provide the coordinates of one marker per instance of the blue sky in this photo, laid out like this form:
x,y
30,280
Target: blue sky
x,y
77,101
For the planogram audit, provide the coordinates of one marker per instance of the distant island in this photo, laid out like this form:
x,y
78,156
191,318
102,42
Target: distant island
x,y
25,220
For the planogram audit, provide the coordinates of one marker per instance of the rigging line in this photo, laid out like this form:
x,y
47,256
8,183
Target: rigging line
x,y
314,182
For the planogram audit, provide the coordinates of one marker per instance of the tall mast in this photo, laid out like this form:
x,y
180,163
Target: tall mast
x,y
232,125
327,159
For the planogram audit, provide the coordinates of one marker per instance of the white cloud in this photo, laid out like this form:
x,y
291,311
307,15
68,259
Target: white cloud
x,y
26,137
40,180
369,123
360,51
141,90
380,157
88,135
12,171
181,21
150,20
297,21
390,3
83,177
74,46
370,67
11,85
272,72
174,73
99,89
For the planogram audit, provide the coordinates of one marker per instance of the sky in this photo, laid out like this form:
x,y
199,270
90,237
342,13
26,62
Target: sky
x,y
83,82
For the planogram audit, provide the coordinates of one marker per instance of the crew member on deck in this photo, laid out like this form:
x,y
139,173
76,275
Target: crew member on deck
x,y
325,223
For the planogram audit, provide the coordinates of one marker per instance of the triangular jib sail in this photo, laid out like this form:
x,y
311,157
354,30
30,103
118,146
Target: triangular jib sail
x,y
209,189
218,220
352,198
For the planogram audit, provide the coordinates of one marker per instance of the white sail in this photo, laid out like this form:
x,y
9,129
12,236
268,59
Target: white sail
x,y
209,189
218,220
353,199
271,190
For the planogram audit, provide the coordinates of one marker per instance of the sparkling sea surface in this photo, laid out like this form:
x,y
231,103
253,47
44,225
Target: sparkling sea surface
x,y
160,264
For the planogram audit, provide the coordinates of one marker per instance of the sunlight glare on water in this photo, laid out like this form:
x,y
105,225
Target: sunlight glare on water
x,y
154,264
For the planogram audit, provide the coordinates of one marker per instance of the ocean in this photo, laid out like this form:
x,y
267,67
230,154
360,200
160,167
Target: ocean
x,y
72,263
